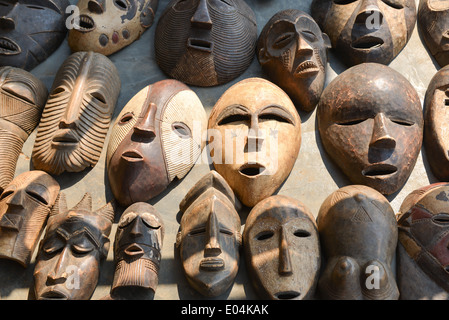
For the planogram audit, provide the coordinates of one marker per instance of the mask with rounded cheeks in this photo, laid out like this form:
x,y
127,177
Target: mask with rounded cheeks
x,y
254,138
292,50
366,30
24,207
205,42
107,26
30,31
371,124
358,236
156,138
433,20
75,243
209,239
282,249
76,118
22,99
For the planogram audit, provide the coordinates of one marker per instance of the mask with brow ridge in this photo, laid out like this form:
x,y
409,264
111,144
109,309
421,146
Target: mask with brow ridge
x,y
76,118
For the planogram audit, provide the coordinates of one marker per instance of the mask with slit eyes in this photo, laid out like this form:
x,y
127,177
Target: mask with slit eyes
x,y
107,26
254,138
358,237
371,125
76,118
366,30
30,31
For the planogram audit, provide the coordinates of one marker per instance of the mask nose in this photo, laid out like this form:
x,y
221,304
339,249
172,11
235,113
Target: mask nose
x,y
380,137
7,23
285,264
213,245
303,47
145,123
201,19
370,15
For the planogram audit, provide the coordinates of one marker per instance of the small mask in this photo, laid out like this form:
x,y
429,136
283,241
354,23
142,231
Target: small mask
x,y
107,26
156,138
282,249
205,42
24,207
371,124
366,30
23,98
254,138
30,31
358,236
77,115
209,239
75,243
433,21
292,50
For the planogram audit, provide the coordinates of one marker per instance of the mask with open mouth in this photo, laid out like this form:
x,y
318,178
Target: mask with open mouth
x,y
107,26
293,51
254,138
371,125
366,30
30,31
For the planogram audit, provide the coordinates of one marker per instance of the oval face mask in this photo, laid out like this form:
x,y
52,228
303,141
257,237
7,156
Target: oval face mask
x,y
205,42
371,124
30,31
366,30
107,26
282,249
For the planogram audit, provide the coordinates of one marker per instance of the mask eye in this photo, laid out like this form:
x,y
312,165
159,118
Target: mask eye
x,y
441,218
351,122
394,4
122,4
302,233
6,194
127,117
181,130
197,232
283,40
265,235
343,2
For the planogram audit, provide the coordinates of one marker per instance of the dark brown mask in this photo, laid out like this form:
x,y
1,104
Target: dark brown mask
x,y
366,30
358,236
292,50
205,42
371,124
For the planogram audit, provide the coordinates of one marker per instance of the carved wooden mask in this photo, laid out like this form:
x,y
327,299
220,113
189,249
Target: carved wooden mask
x,y
107,26
366,30
75,243
30,31
292,50
24,207
282,249
76,118
371,124
205,42
209,239
254,138
156,138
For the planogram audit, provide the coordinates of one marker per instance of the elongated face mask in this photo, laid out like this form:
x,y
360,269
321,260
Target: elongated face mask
x,y
282,249
24,207
30,31
77,115
107,26
371,124
358,236
293,51
366,30
156,138
209,238
205,42
75,243
254,138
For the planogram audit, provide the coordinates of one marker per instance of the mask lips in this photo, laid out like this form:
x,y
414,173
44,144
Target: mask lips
x,y
306,69
132,156
86,23
9,47
54,294
287,295
367,43
252,169
379,170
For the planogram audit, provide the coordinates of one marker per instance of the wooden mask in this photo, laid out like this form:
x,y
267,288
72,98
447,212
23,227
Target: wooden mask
x,y
282,249
23,98
366,30
107,26
371,124
76,118
433,21
254,138
156,138
30,31
75,243
292,50
209,239
24,208
358,236
205,42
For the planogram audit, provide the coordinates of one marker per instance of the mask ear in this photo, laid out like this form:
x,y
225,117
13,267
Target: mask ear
x,y
327,41
262,56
